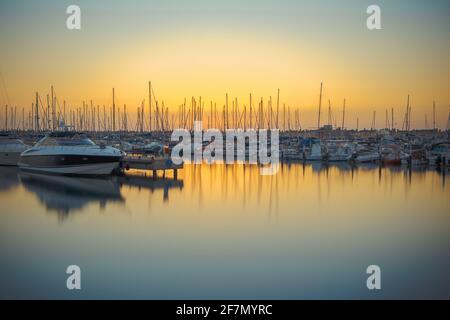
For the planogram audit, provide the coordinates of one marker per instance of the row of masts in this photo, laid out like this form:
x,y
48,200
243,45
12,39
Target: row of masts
x,y
155,116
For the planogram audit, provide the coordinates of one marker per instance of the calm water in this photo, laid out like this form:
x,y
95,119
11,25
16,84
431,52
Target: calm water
x,y
227,232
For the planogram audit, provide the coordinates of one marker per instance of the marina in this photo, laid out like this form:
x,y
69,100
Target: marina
x,y
152,151
146,144
211,152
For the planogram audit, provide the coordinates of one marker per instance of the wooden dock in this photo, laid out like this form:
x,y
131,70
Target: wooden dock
x,y
152,164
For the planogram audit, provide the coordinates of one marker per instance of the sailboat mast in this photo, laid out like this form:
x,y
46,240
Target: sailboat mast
x,y
37,112
407,114
251,112
320,106
278,107
150,103
329,112
392,118
226,110
434,115
113,112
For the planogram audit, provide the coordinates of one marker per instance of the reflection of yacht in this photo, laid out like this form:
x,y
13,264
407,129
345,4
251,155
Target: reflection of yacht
x,y
8,178
10,150
70,153
63,194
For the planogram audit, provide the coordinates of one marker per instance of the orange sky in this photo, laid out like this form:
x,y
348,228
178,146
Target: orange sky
x,y
210,49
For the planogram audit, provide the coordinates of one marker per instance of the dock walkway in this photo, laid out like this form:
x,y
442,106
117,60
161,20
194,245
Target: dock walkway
x,y
153,164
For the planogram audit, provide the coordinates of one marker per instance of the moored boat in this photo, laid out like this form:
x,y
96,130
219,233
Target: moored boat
x,y
339,151
368,156
70,153
10,149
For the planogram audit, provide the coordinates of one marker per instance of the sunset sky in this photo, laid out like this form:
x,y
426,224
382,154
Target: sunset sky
x,y
210,48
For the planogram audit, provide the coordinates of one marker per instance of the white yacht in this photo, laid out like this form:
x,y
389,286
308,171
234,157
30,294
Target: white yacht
x,y
339,150
70,153
10,149
367,156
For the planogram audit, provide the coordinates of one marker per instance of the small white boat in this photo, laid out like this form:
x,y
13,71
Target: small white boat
x,y
339,151
10,149
367,156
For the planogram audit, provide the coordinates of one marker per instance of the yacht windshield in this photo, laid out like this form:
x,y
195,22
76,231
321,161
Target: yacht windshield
x,y
10,141
66,140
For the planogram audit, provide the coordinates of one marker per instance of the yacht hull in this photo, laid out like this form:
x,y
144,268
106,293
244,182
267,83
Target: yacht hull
x,y
94,169
9,158
392,162
368,157
339,158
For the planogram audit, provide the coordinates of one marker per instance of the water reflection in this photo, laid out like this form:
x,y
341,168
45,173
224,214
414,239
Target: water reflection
x,y
225,231
144,182
297,183
8,178
65,194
